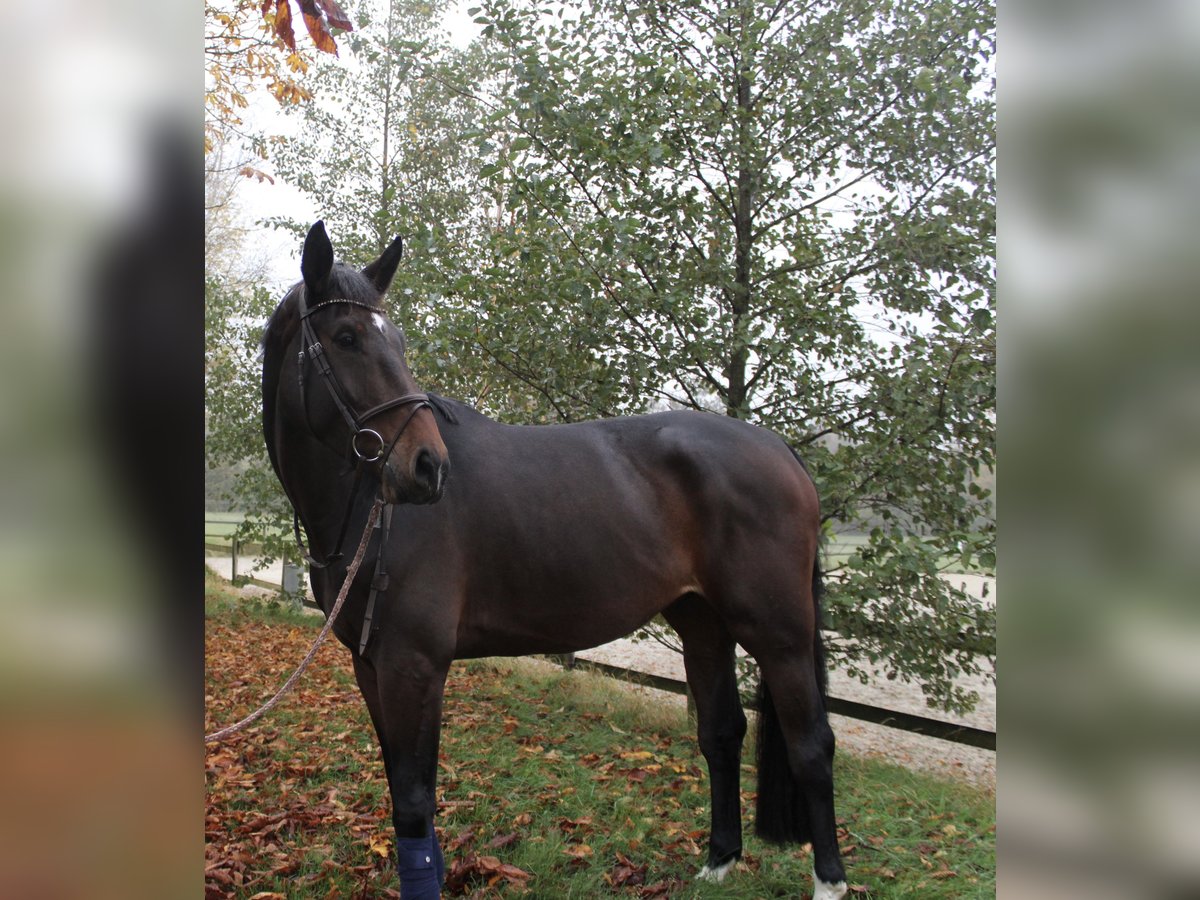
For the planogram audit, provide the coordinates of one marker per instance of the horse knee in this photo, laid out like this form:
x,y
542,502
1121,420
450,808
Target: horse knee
x,y
812,757
823,739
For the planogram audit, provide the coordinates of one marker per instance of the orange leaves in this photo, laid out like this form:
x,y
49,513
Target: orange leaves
x,y
333,13
249,44
319,17
578,851
270,802
287,91
574,826
251,172
471,870
626,873
283,23
381,844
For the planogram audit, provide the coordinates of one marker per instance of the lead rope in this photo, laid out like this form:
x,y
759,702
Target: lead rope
x,y
337,606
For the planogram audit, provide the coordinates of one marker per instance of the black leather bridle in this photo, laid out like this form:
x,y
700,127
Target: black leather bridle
x,y
311,350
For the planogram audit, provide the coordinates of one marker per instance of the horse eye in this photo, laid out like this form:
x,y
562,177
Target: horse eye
x,y
345,339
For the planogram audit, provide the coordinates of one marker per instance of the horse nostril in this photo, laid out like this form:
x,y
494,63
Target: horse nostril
x,y
426,470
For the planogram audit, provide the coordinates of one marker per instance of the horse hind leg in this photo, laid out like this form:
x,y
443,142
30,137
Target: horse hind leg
x,y
708,656
795,768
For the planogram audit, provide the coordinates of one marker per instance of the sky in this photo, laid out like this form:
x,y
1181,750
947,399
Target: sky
x,y
259,200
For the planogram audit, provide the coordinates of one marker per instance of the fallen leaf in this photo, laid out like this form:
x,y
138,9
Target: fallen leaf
x,y
382,845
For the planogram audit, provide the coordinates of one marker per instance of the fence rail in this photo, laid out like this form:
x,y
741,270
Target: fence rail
x,y
234,548
946,731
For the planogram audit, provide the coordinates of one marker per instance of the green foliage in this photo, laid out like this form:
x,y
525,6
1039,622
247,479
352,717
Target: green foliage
x,y
233,447
786,213
781,212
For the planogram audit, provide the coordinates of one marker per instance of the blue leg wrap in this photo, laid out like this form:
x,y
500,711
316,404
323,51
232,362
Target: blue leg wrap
x,y
439,860
418,860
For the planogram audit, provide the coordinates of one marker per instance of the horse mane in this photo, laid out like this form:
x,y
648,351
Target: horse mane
x,y
446,407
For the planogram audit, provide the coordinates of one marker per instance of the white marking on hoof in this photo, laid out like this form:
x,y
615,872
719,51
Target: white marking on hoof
x,y
824,891
718,874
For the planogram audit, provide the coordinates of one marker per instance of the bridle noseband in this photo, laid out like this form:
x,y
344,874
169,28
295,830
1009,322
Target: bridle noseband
x,y
312,350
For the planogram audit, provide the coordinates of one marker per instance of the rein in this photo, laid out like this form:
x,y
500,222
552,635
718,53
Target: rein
x,y
333,613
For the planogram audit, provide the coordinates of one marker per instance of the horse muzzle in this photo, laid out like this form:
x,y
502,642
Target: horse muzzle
x,y
423,483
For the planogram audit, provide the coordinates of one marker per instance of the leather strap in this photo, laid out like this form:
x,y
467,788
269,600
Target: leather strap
x,y
312,349
379,582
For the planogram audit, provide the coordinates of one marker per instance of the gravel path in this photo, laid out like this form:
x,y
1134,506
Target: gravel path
x,y
943,758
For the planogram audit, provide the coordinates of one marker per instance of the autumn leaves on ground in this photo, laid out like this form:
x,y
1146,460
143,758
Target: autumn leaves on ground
x,y
551,784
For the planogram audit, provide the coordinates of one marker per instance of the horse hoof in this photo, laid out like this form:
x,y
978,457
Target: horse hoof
x,y
716,875
825,891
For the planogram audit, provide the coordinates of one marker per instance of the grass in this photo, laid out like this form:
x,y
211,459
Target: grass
x,y
551,784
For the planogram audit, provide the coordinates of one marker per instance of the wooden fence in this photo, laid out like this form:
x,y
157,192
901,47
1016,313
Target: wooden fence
x,y
946,731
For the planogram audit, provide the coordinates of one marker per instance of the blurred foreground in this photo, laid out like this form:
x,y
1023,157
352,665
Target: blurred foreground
x,y
101,422
1100,448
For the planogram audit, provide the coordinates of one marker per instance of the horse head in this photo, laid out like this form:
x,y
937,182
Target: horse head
x,y
345,375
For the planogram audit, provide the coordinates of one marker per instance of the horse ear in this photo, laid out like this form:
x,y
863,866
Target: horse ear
x,y
383,269
316,262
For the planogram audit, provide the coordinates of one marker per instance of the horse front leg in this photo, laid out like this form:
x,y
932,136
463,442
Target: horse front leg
x,y
410,706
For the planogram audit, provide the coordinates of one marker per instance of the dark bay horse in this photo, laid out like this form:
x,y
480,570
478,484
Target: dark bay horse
x,y
510,540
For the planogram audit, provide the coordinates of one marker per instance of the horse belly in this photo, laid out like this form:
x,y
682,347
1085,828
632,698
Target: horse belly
x,y
568,597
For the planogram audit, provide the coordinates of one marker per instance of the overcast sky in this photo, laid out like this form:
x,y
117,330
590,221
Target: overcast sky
x,y
260,200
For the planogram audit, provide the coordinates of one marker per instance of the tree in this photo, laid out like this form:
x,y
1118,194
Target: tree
x,y
247,42
381,153
785,211
229,249
234,451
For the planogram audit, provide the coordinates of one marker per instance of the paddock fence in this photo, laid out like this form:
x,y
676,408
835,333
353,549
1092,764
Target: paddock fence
x,y
852,709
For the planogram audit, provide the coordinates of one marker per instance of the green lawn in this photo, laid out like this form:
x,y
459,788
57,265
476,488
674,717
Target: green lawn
x,y
552,784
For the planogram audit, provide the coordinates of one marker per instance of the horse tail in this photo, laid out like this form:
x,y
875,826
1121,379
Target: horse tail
x,y
781,814
818,597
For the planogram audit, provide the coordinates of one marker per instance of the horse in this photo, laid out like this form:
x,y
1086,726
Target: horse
x,y
507,540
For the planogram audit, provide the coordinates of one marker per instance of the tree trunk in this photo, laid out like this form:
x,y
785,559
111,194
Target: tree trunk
x,y
382,239
737,401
